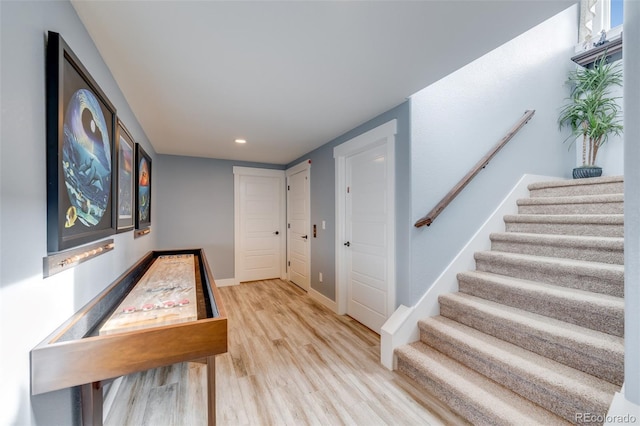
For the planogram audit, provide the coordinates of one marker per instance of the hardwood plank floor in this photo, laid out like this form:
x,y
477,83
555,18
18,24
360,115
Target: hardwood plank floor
x,y
291,361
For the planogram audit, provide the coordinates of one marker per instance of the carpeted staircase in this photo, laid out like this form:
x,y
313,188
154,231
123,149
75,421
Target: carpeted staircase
x,y
535,333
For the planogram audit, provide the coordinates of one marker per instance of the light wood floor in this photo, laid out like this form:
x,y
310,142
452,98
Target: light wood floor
x,y
291,361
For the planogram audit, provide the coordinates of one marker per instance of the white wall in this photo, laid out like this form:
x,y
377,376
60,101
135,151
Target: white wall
x,y
611,155
32,307
457,120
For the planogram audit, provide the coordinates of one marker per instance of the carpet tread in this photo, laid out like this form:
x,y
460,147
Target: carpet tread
x,y
590,351
474,396
557,387
597,311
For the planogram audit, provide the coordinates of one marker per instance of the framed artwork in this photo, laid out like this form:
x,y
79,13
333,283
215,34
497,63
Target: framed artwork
x,y
143,188
81,125
125,177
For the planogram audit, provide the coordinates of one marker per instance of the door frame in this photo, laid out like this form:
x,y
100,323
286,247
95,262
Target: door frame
x,y
381,135
305,165
254,171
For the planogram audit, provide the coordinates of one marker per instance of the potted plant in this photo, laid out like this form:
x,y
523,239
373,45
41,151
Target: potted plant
x,y
592,112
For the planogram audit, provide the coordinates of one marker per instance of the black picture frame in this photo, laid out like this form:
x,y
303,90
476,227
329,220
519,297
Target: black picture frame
x,y
125,177
143,189
81,123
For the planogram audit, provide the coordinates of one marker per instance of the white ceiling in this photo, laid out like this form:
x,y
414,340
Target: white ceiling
x,y
286,76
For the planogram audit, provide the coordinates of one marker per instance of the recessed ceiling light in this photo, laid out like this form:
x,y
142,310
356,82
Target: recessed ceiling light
x,y
240,141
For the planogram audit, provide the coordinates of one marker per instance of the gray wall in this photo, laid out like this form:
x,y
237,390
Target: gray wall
x,y
457,120
32,307
195,207
632,201
322,189
194,199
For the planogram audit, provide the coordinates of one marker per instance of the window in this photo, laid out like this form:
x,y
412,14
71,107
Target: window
x,y
615,14
607,16
596,17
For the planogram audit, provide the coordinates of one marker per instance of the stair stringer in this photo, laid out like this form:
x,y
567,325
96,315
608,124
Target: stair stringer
x,y
402,326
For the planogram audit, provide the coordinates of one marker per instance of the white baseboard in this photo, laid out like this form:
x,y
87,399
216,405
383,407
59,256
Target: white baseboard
x,y
621,411
322,299
226,282
402,327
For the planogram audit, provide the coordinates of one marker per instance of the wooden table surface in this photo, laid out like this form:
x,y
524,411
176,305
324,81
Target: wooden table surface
x,y
166,294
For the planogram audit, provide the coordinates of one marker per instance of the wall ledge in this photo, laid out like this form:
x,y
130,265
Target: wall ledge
x,y
613,50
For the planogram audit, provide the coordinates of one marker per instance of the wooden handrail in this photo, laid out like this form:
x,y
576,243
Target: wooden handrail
x,y
431,216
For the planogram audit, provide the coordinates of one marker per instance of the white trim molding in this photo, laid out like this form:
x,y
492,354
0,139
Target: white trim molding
x,y
300,167
381,135
252,171
322,299
227,282
305,165
621,411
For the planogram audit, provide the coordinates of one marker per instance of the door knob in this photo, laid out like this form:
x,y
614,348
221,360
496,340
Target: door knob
x,y
348,244
305,237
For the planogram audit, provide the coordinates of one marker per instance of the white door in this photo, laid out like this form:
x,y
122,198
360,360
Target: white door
x,y
365,235
259,224
298,233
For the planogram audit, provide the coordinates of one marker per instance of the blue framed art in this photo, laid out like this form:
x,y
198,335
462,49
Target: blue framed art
x,y
81,125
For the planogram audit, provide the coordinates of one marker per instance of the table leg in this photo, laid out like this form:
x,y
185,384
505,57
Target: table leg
x,y
91,396
211,390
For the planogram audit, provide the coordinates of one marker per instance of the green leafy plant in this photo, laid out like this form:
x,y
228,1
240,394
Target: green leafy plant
x,y
591,111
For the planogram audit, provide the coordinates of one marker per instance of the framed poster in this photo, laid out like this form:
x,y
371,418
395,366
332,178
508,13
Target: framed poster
x,y
80,152
143,188
125,178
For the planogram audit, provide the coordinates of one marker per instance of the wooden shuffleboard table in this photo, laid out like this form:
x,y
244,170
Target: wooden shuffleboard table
x,y
163,310
164,295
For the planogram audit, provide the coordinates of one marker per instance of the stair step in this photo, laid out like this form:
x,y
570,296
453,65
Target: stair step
x,y
593,352
601,225
560,389
593,249
588,276
468,393
596,311
591,186
585,204
538,328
